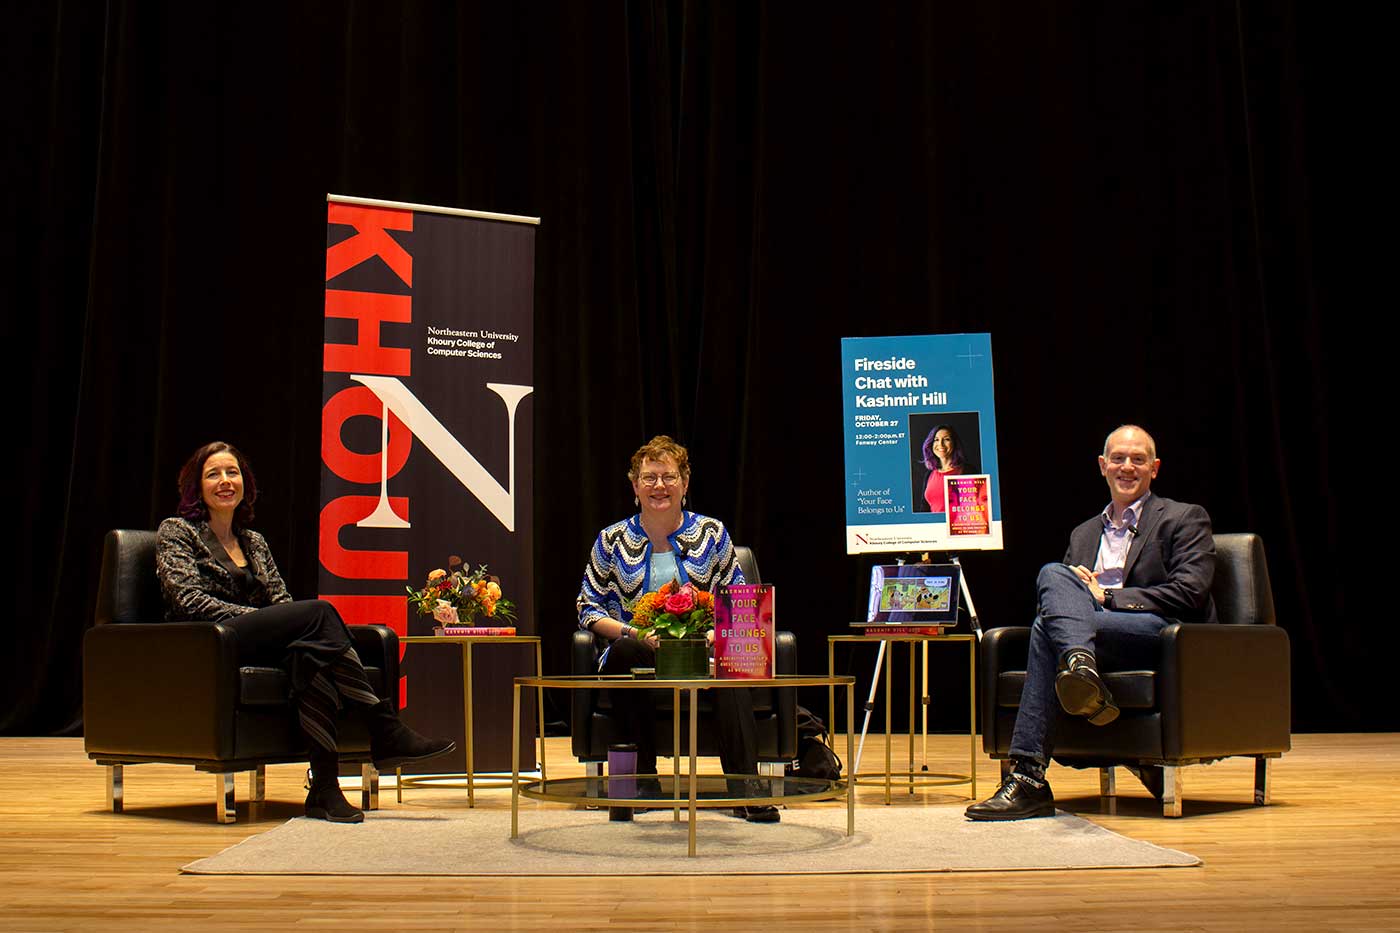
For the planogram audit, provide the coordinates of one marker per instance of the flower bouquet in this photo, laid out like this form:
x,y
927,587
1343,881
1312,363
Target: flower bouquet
x,y
679,616
674,611
457,597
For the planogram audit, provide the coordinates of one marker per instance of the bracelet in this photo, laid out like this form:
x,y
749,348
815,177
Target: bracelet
x,y
628,631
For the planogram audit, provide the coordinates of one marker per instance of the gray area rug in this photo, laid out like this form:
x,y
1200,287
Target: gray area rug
x,y
573,842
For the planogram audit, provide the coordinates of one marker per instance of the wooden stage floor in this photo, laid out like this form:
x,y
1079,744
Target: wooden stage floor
x,y
1324,856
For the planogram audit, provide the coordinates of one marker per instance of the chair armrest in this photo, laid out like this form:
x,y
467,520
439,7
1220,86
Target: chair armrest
x,y
160,689
1224,690
378,646
1001,649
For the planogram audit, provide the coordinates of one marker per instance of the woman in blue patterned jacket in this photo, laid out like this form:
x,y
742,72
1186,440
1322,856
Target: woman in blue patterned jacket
x,y
664,542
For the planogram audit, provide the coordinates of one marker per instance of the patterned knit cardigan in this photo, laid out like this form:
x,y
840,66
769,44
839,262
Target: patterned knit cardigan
x,y
195,577
620,563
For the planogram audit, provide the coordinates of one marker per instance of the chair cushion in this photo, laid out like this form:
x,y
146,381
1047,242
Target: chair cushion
x,y
1130,689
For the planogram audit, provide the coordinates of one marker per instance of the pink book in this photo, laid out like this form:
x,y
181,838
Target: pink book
x,y
744,631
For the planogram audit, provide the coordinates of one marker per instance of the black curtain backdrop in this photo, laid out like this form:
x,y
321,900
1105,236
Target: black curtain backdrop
x,y
1125,195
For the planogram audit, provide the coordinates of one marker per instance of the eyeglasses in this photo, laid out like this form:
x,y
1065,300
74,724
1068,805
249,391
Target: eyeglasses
x,y
651,479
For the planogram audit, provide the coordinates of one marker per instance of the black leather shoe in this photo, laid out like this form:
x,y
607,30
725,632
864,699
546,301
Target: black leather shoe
x,y
758,814
1018,798
1083,693
324,801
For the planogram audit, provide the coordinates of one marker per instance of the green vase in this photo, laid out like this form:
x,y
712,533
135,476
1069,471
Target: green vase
x,y
682,659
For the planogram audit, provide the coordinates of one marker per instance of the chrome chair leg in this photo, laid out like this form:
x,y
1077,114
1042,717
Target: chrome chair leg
x,y
369,786
593,770
257,784
114,788
1171,790
776,771
1262,790
223,798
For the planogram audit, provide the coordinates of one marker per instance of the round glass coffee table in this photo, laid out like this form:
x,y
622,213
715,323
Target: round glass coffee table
x,y
673,791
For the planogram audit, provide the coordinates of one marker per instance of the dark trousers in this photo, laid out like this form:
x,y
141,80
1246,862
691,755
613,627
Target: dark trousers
x,y
1067,618
305,637
309,640
636,713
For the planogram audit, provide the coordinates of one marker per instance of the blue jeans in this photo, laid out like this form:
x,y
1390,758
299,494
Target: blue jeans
x,y
1069,618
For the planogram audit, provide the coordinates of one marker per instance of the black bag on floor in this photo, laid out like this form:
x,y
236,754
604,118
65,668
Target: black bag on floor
x,y
815,759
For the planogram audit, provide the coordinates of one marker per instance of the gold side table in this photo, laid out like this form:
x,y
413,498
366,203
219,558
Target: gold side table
x,y
911,778
467,642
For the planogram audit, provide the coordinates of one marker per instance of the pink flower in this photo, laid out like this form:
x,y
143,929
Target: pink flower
x,y
445,612
681,602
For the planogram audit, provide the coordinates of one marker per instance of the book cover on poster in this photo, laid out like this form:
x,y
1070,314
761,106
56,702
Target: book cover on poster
x,y
744,631
968,510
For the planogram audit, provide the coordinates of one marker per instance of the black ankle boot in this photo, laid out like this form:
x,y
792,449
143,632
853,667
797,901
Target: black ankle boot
x,y
324,801
391,743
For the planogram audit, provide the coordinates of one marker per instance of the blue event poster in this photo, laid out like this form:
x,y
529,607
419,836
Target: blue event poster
x,y
918,412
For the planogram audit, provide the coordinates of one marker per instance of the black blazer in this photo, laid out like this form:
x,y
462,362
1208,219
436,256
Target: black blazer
x,y
1171,561
196,574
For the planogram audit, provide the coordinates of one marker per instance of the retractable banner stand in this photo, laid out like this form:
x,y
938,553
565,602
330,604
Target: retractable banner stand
x,y
426,427
921,444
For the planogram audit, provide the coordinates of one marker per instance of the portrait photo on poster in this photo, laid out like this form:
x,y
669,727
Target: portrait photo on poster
x,y
941,443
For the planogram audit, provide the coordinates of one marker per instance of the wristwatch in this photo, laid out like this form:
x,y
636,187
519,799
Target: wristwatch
x,y
1108,599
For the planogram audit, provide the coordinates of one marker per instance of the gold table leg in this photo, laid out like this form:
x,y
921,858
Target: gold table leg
x,y
467,706
676,754
972,713
694,704
889,739
514,762
912,668
850,761
539,704
831,691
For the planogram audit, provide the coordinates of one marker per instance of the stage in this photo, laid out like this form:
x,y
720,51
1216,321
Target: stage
x,y
1323,856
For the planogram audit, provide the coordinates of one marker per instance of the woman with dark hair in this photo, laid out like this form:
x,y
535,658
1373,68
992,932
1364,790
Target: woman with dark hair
x,y
214,568
661,543
943,455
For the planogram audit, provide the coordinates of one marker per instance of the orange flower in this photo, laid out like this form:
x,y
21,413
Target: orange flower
x,y
493,591
436,574
705,600
668,588
645,609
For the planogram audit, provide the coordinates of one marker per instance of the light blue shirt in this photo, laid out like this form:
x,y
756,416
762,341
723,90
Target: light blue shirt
x,y
1115,543
662,569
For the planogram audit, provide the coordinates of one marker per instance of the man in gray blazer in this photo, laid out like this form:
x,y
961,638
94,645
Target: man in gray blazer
x,y
1142,563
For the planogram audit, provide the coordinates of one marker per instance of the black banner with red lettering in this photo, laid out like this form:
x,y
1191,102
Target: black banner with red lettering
x,y
426,429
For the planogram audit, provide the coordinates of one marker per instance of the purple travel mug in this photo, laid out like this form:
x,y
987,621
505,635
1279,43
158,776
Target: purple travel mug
x,y
622,760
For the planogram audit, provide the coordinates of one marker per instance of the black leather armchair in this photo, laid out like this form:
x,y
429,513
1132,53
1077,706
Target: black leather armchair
x,y
173,692
775,711
1214,690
